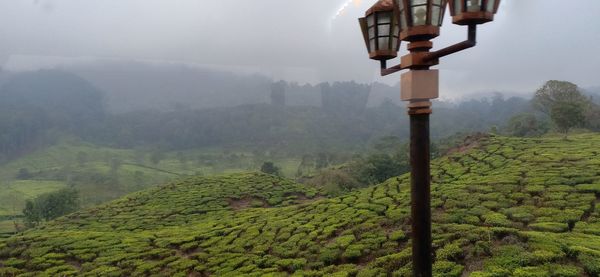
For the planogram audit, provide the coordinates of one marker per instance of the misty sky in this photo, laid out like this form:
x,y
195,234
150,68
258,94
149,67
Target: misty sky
x,y
530,42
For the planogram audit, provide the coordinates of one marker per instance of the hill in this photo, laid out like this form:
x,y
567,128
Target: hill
x,y
502,207
103,173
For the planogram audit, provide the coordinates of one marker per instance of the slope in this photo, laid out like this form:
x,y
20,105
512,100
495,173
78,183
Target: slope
x,y
501,207
103,173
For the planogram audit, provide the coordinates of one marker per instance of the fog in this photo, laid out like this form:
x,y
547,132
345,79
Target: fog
x,y
299,40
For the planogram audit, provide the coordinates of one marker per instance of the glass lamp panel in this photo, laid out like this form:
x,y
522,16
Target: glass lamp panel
x,y
419,14
370,20
384,43
371,32
383,30
458,6
442,14
435,15
403,23
490,5
372,45
474,5
395,44
400,4
418,2
384,17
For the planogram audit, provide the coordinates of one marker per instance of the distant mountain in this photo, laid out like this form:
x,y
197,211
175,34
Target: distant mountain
x,y
55,92
133,86
35,102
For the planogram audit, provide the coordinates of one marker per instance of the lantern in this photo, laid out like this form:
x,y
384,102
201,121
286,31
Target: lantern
x,y
420,19
468,12
380,31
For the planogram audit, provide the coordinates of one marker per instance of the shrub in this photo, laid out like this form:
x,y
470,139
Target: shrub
x,y
398,235
530,272
496,219
447,269
344,241
550,227
564,271
328,255
369,272
353,252
270,168
482,248
451,252
590,263
393,261
594,188
291,265
507,257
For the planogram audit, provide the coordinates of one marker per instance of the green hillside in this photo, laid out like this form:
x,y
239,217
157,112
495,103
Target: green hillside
x,y
101,173
502,207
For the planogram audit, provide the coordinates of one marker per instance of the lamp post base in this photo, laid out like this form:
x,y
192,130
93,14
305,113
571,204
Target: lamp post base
x,y
420,190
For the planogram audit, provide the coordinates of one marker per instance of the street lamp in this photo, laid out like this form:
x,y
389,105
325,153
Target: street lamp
x,y
419,21
381,31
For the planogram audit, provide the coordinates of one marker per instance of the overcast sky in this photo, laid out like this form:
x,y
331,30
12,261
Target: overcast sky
x,y
530,42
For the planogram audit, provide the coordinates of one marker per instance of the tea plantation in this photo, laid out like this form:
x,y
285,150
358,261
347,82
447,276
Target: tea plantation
x,y
501,207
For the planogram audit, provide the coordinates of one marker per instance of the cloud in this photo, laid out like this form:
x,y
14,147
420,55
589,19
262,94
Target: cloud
x,y
297,39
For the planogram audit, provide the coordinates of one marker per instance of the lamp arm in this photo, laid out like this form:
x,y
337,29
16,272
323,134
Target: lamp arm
x,y
387,71
470,42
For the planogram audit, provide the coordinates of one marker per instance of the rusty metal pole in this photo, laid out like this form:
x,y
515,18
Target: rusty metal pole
x,y
419,86
420,192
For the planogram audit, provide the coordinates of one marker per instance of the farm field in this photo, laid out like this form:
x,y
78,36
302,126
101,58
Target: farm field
x,y
501,207
101,174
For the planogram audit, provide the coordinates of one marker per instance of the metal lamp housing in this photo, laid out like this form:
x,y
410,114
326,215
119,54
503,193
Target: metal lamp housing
x,y
420,19
468,12
380,31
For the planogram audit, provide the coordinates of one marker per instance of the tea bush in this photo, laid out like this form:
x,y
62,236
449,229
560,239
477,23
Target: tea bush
x,y
511,206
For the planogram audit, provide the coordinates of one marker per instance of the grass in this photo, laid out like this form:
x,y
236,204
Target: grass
x,y
6,226
508,207
32,188
91,169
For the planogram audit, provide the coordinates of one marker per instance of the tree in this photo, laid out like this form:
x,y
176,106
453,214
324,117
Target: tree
x,y
270,168
526,125
31,214
389,159
564,103
388,144
567,115
322,161
306,166
24,174
50,206
380,167
593,117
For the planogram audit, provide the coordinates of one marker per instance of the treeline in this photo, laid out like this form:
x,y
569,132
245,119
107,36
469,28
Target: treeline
x,y
37,105
41,106
557,106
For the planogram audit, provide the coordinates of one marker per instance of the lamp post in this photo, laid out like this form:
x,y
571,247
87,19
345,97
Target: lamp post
x,y
417,22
